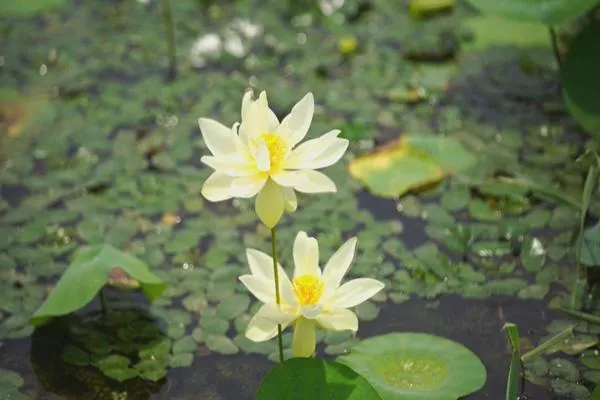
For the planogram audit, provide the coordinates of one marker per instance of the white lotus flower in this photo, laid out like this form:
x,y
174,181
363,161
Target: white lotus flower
x,y
261,156
312,298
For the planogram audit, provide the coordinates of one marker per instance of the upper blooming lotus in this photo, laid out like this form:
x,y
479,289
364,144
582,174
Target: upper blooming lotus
x,y
312,298
261,156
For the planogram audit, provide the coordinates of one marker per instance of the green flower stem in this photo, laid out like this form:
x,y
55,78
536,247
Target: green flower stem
x,y
170,33
103,302
554,40
277,295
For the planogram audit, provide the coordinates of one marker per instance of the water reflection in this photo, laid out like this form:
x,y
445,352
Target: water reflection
x,y
72,356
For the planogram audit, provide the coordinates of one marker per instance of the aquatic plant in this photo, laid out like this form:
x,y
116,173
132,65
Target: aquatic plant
x,y
92,268
312,298
413,366
257,158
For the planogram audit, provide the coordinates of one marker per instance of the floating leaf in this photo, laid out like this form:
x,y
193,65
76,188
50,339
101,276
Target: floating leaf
x,y
155,350
214,325
221,344
314,378
75,356
409,163
151,370
88,273
564,369
233,307
181,360
116,367
184,345
549,12
492,30
28,8
367,311
421,8
408,366
591,359
537,366
10,378
533,292
507,287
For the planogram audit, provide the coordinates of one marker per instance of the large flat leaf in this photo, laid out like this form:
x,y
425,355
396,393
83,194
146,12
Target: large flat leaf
x,y
580,78
88,273
409,163
315,379
417,366
550,12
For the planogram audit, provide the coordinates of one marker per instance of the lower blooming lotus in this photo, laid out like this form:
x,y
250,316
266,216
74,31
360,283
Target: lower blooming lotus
x,y
313,298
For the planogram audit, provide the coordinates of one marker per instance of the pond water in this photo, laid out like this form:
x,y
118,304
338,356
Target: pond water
x,y
100,144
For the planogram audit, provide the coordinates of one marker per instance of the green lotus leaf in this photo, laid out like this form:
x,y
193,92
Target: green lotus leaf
x,y
580,80
314,378
417,366
88,273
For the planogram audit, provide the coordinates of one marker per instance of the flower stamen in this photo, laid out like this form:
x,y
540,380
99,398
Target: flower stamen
x,y
277,150
308,289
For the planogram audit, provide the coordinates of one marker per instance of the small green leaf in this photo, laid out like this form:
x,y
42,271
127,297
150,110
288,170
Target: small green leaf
x,y
184,345
75,356
181,360
221,344
233,306
10,378
214,325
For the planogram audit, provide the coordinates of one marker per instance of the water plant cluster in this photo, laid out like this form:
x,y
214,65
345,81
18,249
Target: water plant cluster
x,y
438,184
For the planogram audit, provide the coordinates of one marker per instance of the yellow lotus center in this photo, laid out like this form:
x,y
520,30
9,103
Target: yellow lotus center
x,y
308,289
277,149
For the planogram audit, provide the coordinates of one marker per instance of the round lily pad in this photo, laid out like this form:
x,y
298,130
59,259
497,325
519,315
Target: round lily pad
x,y
407,366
